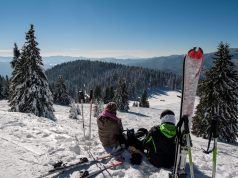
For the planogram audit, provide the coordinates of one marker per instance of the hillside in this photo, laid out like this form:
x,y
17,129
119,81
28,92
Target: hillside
x,y
36,143
86,75
174,63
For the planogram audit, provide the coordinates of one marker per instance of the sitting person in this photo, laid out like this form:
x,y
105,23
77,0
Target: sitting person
x,y
110,128
160,141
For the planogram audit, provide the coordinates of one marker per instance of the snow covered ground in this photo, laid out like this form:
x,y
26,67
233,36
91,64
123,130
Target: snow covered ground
x,y
30,145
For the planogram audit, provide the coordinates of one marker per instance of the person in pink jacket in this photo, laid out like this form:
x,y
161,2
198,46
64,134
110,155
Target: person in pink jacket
x,y
110,128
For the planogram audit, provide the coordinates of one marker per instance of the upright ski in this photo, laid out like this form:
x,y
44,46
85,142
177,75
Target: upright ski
x,y
192,66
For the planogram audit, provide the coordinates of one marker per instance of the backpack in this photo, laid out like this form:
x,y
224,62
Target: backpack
x,y
134,143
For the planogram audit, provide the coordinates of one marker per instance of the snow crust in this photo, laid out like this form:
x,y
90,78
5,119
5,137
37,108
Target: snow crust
x,y
30,144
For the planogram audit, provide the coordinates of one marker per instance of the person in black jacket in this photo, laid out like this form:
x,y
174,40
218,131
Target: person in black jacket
x,y
160,144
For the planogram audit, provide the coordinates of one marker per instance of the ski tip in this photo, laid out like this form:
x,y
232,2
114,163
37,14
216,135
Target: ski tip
x,y
195,53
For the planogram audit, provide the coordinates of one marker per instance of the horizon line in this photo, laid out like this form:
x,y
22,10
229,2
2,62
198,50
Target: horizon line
x,y
94,54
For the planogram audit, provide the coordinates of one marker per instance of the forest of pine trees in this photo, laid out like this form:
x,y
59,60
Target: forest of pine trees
x,y
103,78
219,96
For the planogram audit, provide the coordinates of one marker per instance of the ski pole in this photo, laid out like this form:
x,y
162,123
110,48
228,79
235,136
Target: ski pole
x,y
188,140
90,112
215,135
90,154
81,98
87,174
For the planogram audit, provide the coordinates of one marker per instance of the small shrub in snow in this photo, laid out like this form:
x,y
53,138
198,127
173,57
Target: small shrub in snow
x,y
98,108
74,111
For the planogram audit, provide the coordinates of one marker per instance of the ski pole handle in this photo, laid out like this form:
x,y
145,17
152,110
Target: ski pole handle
x,y
91,95
214,127
81,96
186,125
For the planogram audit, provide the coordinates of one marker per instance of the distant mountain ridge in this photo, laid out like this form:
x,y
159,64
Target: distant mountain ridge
x,y
172,63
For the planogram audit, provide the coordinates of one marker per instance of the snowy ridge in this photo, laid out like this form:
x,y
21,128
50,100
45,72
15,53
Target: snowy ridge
x,y
30,145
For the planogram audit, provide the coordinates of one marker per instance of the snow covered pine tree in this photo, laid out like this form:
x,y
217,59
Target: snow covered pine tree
x,y
15,79
30,91
219,96
144,100
61,95
121,96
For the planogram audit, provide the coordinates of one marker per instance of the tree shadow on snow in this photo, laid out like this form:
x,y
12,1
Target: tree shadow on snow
x,y
224,142
138,114
164,91
197,172
158,92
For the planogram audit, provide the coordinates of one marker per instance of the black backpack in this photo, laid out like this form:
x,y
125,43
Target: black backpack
x,y
134,141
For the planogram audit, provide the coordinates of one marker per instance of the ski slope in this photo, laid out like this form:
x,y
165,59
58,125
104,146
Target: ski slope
x,y
30,145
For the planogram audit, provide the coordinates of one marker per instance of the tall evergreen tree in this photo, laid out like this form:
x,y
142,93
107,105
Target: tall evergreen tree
x,y
98,93
106,98
1,89
112,94
16,77
6,88
29,85
16,54
144,100
121,96
61,95
219,95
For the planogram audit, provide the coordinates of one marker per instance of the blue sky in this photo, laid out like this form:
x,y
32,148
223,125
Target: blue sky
x,y
119,28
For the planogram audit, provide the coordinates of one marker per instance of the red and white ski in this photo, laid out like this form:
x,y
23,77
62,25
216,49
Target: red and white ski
x,y
191,72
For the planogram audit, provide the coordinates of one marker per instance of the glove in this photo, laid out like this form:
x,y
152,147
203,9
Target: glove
x,y
136,159
136,155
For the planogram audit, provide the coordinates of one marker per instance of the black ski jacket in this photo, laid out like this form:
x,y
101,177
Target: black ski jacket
x,y
160,145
